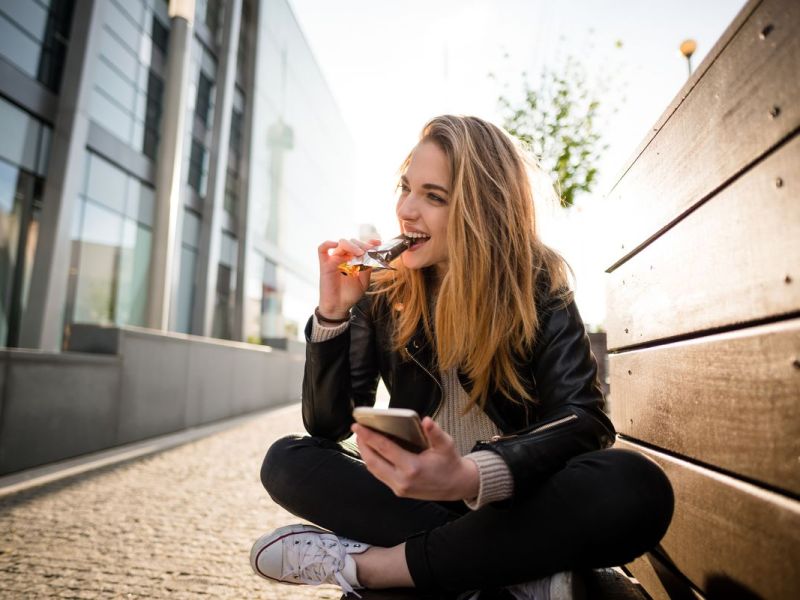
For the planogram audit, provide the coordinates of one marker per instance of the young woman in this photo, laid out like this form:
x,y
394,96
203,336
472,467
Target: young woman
x,y
477,331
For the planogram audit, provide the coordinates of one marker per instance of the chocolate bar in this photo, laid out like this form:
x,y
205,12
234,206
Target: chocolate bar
x,y
377,258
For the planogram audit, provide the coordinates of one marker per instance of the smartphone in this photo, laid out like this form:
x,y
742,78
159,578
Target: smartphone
x,y
401,425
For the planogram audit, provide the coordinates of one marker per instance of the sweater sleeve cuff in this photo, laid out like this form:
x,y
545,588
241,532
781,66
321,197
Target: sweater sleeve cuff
x,y
321,333
495,480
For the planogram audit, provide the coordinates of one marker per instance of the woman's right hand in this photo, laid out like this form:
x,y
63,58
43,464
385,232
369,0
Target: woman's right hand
x,y
338,293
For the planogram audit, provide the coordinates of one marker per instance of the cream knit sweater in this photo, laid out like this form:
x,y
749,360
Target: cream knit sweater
x,y
495,481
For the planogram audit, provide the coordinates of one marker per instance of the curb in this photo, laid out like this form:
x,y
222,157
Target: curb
x,y
37,476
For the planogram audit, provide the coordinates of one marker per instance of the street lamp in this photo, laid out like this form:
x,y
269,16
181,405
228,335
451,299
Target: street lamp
x,y
687,49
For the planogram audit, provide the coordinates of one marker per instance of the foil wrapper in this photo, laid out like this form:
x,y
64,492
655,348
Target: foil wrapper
x,y
376,258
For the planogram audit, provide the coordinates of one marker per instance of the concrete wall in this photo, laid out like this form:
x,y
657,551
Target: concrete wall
x,y
119,385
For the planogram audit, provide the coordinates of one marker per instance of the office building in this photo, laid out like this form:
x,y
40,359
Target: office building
x,y
165,170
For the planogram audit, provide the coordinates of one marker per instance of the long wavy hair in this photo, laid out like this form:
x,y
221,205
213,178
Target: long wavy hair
x,y
484,310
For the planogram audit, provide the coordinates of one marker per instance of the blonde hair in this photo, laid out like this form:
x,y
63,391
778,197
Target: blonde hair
x,y
485,314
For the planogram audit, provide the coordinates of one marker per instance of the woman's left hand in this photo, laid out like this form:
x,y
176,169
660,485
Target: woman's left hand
x,y
438,473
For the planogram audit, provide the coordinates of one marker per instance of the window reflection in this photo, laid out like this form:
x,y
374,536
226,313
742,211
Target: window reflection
x,y
225,302
190,240
129,85
34,37
24,151
111,245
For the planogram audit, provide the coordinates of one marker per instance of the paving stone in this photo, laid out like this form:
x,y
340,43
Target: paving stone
x,y
177,524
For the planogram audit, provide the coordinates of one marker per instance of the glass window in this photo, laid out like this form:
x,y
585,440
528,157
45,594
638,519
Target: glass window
x,y
119,55
225,304
161,10
231,192
137,136
140,114
19,48
115,85
271,302
237,121
186,290
228,249
152,120
97,265
191,229
197,167
145,50
20,199
34,36
106,183
10,217
111,248
224,308
202,107
210,13
135,9
44,150
29,16
8,188
20,140
111,116
141,200
54,48
133,274
160,35
150,142
122,25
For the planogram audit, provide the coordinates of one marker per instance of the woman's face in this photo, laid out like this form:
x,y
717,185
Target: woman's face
x,y
423,206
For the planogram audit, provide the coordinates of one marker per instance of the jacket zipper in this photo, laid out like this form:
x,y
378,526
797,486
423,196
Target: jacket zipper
x,y
441,389
499,438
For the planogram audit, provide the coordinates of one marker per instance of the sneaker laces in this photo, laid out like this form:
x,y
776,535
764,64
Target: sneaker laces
x,y
318,560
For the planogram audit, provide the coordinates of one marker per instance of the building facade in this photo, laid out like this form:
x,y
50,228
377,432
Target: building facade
x,y
163,167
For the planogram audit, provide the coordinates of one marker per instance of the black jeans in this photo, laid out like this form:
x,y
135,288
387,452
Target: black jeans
x,y
603,509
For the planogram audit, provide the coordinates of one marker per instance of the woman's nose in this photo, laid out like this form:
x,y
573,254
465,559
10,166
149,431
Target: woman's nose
x,y
407,208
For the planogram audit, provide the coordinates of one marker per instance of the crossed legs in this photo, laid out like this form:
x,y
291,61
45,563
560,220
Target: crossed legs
x,y
603,509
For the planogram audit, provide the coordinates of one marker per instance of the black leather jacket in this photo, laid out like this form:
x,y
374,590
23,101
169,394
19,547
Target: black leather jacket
x,y
561,374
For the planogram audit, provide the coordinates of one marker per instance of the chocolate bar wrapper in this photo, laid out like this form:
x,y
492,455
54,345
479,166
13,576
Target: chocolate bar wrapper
x,y
376,258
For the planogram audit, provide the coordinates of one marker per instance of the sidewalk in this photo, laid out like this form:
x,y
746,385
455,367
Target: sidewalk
x,y
177,524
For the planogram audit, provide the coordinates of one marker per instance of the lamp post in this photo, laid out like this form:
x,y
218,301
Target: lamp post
x,y
687,49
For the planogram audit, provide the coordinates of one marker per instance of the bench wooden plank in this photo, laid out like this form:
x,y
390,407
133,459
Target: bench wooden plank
x,y
661,581
729,534
728,400
719,129
734,260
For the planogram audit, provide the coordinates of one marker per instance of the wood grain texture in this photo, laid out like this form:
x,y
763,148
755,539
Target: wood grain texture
x,y
735,259
728,400
720,128
660,581
727,535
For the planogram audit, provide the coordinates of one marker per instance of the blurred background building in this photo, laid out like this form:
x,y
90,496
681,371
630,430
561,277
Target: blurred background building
x,y
167,170
167,167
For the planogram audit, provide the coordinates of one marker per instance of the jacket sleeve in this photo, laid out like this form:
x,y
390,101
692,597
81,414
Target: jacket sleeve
x,y
340,373
570,418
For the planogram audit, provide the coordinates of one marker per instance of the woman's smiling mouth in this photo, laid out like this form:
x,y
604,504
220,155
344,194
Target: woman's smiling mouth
x,y
417,239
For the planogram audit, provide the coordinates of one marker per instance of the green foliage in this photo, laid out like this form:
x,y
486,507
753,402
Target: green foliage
x,y
558,122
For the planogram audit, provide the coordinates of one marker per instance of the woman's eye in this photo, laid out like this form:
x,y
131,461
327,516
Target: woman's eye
x,y
436,198
403,187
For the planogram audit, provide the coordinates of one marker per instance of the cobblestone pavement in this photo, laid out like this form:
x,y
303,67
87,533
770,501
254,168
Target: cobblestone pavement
x,y
177,524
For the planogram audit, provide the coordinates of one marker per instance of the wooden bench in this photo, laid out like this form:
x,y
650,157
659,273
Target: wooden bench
x,y
704,315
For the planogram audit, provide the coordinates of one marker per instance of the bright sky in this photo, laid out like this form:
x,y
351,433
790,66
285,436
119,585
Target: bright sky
x,y
392,66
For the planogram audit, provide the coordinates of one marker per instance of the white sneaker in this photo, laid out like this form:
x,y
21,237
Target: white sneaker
x,y
561,586
304,554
